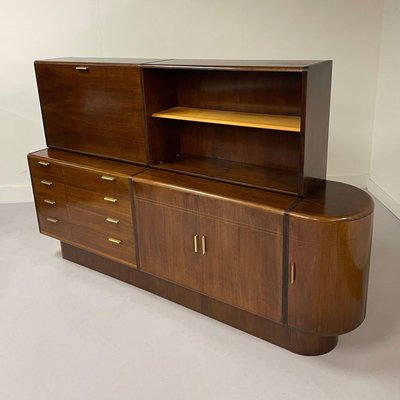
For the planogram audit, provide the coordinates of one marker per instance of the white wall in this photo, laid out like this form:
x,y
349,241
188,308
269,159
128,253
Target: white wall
x,y
385,167
347,31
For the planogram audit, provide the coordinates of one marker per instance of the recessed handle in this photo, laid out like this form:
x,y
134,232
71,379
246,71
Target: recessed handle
x,y
47,183
108,178
196,243
203,245
292,275
112,220
116,241
52,220
80,68
51,202
44,163
110,199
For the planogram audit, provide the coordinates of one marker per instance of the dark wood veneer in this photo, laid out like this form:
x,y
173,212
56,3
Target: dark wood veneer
x,y
288,263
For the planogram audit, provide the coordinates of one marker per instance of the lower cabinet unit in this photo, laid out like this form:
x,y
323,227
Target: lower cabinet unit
x,y
293,271
204,236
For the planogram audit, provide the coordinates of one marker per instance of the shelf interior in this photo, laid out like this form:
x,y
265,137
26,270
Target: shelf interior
x,y
233,118
280,180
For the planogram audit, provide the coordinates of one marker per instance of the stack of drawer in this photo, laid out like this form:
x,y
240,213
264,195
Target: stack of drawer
x,y
85,201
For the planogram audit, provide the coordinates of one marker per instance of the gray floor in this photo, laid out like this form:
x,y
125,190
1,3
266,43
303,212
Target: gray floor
x,y
67,332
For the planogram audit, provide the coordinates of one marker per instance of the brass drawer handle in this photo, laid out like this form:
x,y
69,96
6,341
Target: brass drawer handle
x,y
108,178
292,277
195,243
44,163
116,241
112,220
53,220
80,68
51,202
203,244
110,199
47,183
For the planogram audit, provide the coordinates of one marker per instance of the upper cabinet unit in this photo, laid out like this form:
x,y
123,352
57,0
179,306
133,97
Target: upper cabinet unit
x,y
94,106
262,124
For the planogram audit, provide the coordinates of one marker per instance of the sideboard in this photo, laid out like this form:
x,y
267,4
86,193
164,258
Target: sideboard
x,y
204,181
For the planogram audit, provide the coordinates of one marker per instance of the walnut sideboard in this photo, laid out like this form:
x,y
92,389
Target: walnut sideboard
x,y
203,181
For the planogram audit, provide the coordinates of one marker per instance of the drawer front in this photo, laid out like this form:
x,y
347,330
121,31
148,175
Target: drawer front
x,y
45,167
52,207
104,243
93,108
48,187
104,223
100,202
102,182
52,226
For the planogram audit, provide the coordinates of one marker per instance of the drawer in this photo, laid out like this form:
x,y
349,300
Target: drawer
x,y
47,186
97,181
52,207
119,206
45,167
104,243
111,224
54,227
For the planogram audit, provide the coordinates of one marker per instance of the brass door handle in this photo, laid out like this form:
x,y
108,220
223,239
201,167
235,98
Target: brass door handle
x,y
116,241
203,245
112,220
292,274
53,220
51,202
44,163
110,199
47,183
195,243
80,68
108,178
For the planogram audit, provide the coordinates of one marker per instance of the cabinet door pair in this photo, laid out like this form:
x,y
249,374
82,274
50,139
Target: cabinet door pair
x,y
220,255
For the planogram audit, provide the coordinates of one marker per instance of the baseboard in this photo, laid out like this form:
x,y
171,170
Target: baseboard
x,y
16,194
388,201
359,181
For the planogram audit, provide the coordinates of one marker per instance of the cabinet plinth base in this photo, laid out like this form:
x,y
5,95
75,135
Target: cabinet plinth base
x,y
281,335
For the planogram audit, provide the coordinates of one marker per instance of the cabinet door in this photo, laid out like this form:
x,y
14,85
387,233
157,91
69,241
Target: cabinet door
x,y
242,266
166,245
93,108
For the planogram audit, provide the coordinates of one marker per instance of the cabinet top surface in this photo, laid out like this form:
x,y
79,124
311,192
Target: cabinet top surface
x,y
89,162
99,60
334,201
263,65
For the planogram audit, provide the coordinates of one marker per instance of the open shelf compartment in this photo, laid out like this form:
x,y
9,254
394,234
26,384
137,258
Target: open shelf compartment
x,y
235,118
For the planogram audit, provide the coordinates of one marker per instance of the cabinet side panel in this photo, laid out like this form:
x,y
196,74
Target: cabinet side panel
x,y
329,293
315,125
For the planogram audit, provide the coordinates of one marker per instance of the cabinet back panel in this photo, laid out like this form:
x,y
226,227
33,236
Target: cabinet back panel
x,y
246,145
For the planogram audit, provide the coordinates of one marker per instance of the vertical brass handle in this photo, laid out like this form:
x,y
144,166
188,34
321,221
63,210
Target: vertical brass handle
x,y
44,163
108,178
195,243
292,274
203,244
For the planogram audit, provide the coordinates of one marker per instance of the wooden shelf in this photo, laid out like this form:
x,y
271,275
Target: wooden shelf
x,y
234,172
250,120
